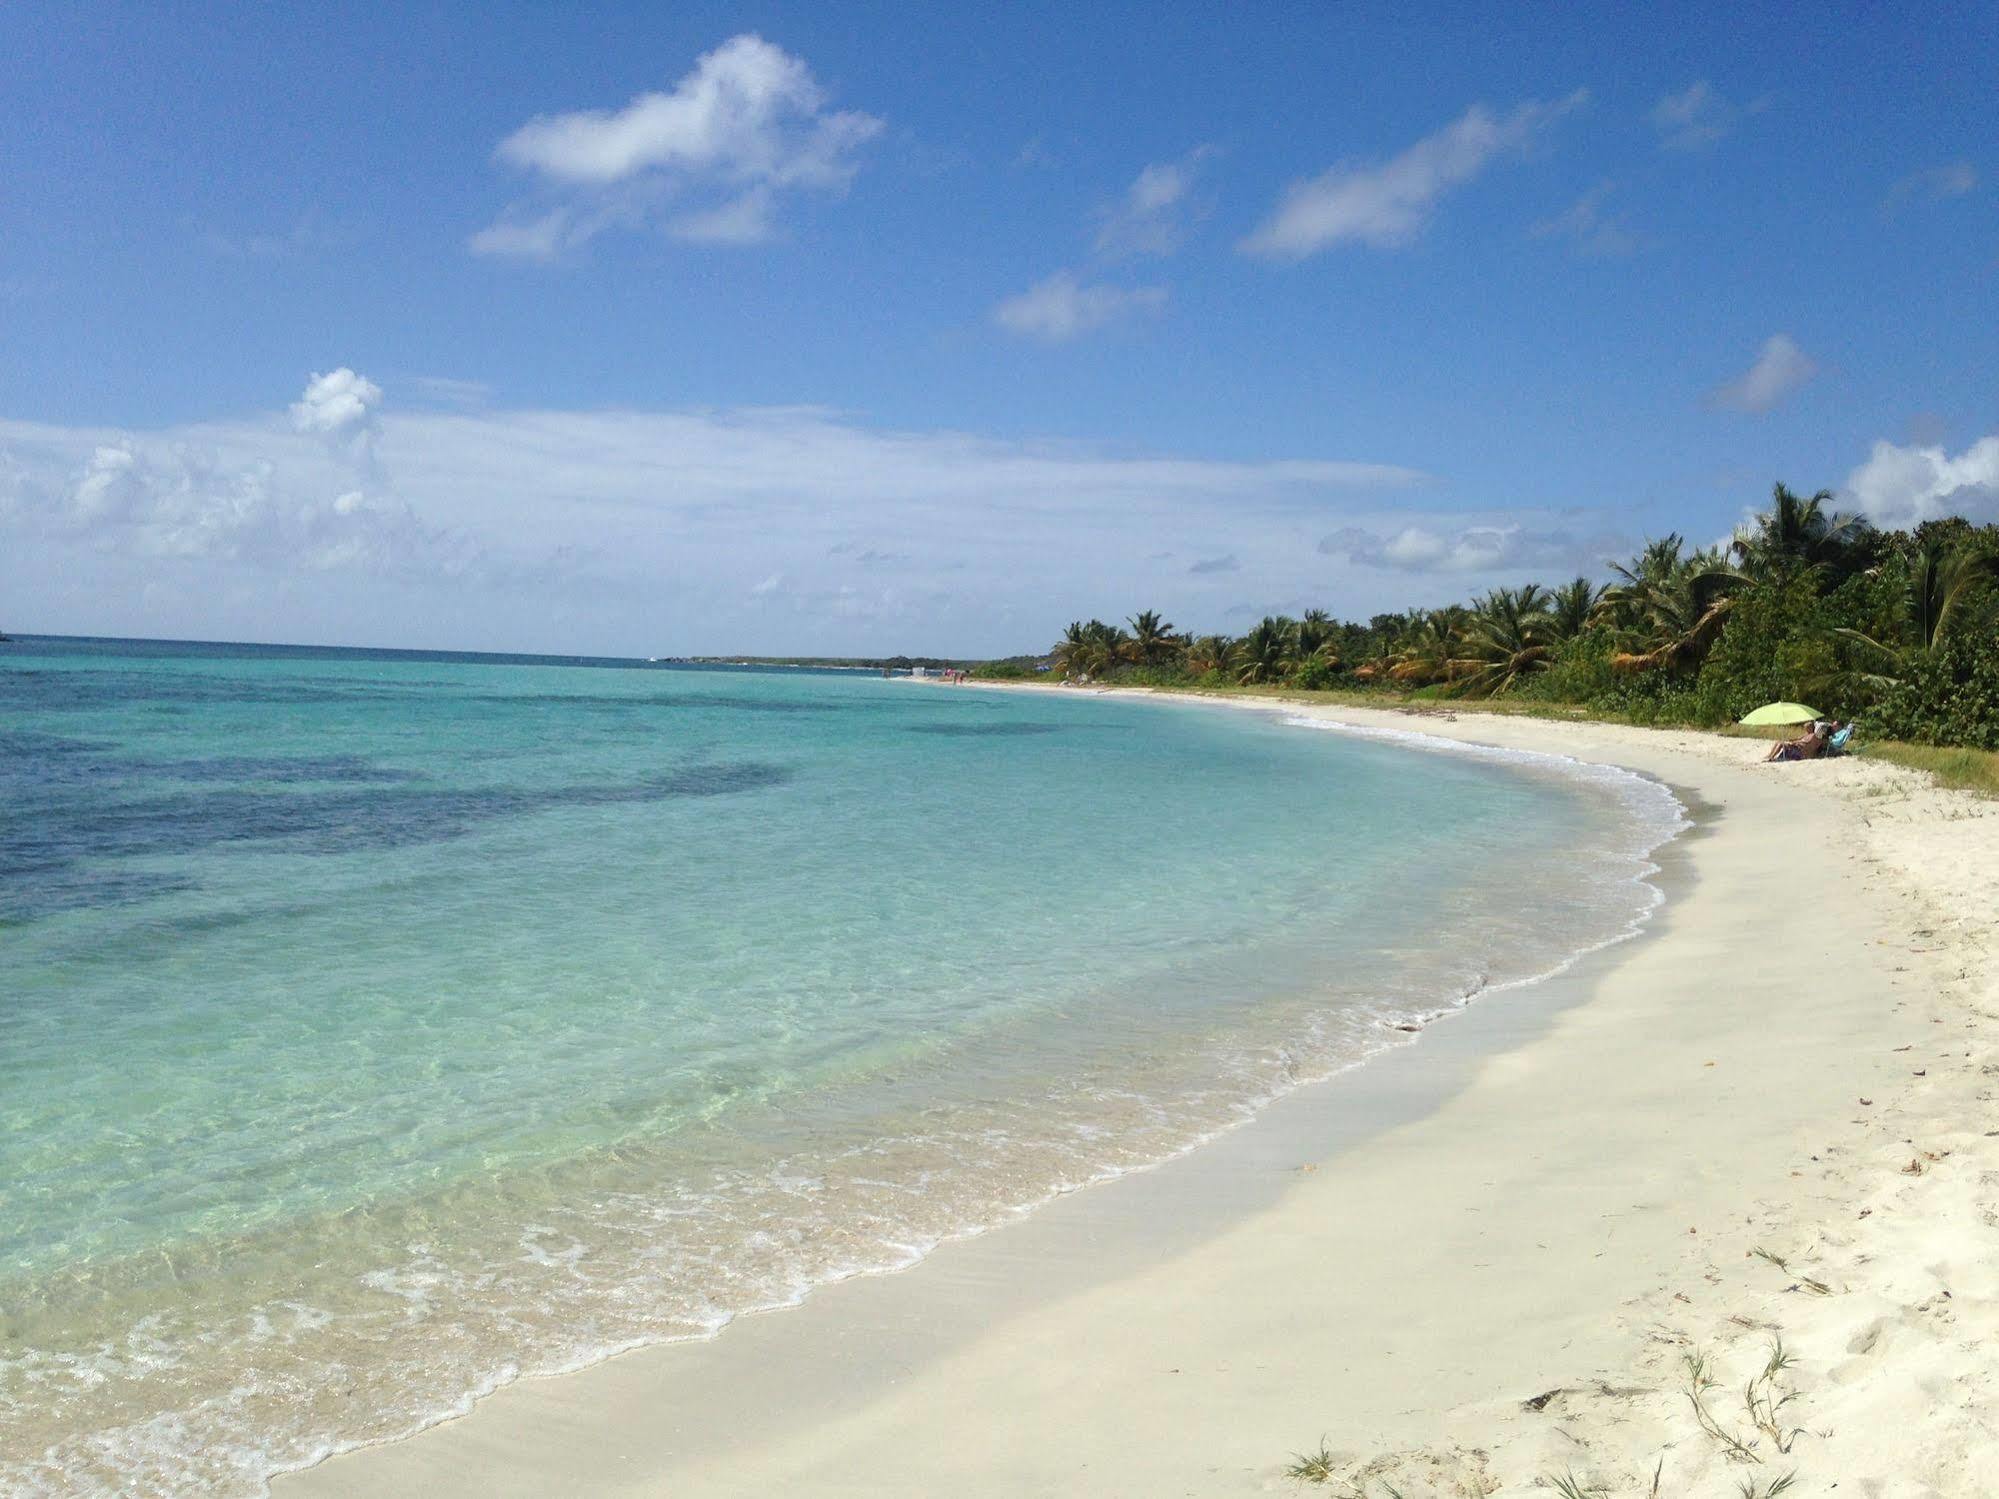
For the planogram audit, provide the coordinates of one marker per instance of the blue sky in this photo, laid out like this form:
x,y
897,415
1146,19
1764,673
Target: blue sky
x,y
847,328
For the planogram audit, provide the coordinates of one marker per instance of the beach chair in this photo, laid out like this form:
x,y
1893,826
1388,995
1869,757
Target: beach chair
x,y
1837,744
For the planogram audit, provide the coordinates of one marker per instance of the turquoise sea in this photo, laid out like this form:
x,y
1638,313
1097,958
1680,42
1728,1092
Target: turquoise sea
x,y
377,1027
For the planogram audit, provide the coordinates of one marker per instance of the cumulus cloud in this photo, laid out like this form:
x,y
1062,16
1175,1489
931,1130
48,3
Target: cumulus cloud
x,y
1933,184
1470,548
1148,216
1390,204
257,496
709,158
339,407
1063,306
1781,369
1697,117
185,502
1904,486
1587,226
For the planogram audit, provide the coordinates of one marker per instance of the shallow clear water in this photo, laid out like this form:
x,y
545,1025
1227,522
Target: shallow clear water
x,y
376,1027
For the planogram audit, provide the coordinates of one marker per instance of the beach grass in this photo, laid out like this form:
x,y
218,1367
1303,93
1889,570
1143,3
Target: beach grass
x,y
1957,768
1313,1467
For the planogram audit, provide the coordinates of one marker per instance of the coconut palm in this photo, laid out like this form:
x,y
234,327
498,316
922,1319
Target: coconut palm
x,y
1386,632
1571,607
1267,652
1943,577
1107,646
1152,640
1796,532
1508,637
1071,652
1088,650
1425,654
1206,653
1667,608
1318,638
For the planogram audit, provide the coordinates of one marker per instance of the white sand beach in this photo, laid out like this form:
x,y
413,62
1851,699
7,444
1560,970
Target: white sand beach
x,y
1476,1266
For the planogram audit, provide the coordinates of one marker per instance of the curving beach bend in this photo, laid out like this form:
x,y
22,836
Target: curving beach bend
x,y
1716,1205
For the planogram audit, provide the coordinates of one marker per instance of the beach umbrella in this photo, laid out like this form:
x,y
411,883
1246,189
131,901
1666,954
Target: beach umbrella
x,y
1781,713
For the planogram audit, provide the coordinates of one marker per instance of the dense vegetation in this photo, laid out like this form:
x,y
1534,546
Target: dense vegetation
x,y
1898,629
870,663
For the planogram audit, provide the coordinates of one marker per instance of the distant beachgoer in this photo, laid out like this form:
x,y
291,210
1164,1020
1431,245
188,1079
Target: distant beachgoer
x,y
1805,747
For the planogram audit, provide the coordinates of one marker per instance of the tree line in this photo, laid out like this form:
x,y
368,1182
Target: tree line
x,y
1897,628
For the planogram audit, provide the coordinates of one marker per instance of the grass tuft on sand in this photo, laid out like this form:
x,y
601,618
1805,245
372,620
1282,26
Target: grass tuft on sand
x,y
1956,768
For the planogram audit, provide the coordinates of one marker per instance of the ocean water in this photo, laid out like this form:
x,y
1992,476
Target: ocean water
x,y
378,1027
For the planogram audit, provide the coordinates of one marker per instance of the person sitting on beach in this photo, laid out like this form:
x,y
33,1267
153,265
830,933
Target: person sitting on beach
x,y
1805,747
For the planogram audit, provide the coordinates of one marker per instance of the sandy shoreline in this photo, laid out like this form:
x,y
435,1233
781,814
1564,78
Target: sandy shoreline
x,y
1560,1192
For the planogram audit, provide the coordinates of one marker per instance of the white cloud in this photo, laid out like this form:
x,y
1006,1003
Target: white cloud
x,y
1588,227
232,495
1147,217
1390,204
538,237
1951,180
339,406
1698,117
1062,307
710,155
1904,486
745,220
180,501
640,532
1781,368
1477,548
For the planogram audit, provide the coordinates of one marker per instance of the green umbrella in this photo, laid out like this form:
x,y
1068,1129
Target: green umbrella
x,y
1781,713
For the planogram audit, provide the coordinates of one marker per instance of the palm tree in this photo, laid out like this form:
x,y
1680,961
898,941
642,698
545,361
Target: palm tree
x,y
1106,646
1206,653
1666,608
1386,633
1318,637
1943,577
1265,654
1088,650
1508,637
1425,653
1152,639
1571,607
1796,532
1071,653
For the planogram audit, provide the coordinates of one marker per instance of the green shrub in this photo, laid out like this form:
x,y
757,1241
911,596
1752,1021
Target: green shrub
x,y
1315,674
1946,696
1006,671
